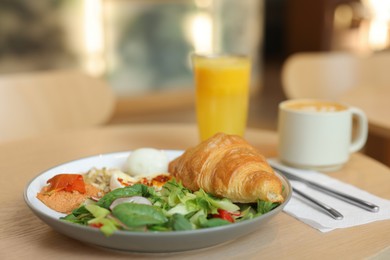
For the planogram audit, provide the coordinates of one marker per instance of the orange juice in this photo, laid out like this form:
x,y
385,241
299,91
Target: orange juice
x,y
222,93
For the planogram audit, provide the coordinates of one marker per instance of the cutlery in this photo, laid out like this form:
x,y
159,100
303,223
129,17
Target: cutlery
x,y
342,196
329,210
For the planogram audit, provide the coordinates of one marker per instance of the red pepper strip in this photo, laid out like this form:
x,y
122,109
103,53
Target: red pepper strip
x,y
96,225
67,182
224,214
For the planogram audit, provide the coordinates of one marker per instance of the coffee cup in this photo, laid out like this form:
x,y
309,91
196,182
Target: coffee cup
x,y
319,134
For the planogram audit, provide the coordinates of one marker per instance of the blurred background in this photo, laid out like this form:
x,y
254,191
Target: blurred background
x,y
142,47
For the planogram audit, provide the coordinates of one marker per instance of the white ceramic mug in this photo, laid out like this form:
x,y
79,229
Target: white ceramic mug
x,y
317,134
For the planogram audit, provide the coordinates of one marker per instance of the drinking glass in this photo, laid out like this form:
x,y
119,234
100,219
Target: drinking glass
x,y
222,93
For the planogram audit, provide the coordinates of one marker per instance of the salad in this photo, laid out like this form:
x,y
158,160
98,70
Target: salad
x,y
172,208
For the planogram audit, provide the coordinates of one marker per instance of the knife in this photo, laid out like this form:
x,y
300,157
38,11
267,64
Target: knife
x,y
342,196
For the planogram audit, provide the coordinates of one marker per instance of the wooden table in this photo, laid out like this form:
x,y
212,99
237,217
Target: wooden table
x,y
23,235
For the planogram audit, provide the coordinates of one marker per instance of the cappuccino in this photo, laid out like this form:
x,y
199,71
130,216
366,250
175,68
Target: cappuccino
x,y
315,106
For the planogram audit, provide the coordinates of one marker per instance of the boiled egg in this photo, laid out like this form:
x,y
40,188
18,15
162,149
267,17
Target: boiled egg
x,y
146,162
120,179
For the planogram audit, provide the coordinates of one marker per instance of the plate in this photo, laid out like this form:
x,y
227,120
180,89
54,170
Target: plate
x,y
150,242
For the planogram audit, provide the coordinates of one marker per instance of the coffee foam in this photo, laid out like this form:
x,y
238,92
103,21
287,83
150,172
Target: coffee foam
x,y
315,106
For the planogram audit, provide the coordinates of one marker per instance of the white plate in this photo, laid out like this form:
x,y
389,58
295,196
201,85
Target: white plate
x,y
138,241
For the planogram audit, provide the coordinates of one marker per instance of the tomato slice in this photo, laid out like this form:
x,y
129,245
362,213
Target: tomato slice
x,y
67,182
224,214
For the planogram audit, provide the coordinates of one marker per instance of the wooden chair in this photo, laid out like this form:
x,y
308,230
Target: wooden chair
x,y
362,81
39,103
329,75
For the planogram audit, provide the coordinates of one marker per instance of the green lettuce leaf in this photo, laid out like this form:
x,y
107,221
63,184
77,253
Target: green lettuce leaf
x,y
135,215
130,191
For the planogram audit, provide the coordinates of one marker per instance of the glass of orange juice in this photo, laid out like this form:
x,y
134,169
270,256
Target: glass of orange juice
x,y
222,93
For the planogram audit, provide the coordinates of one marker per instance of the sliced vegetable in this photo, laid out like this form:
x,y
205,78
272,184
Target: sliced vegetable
x,y
135,190
97,212
225,215
106,225
172,208
134,199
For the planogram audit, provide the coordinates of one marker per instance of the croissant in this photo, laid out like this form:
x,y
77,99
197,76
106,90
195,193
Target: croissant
x,y
228,166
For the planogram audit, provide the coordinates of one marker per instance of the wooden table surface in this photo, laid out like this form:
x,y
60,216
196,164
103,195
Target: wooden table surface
x,y
23,235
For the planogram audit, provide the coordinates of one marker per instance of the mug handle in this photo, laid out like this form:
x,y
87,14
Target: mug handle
x,y
362,129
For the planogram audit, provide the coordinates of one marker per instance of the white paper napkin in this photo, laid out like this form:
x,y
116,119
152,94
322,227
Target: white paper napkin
x,y
309,214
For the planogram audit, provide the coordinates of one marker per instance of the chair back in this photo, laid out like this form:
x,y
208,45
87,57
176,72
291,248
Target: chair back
x,y
328,75
39,103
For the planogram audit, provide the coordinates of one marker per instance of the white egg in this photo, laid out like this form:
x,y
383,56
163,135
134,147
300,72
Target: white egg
x,y
147,162
120,179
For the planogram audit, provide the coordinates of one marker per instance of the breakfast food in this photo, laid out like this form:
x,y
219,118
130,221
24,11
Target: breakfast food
x,y
65,192
228,166
146,162
159,201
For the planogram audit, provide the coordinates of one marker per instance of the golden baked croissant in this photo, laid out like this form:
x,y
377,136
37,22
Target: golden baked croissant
x,y
227,166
